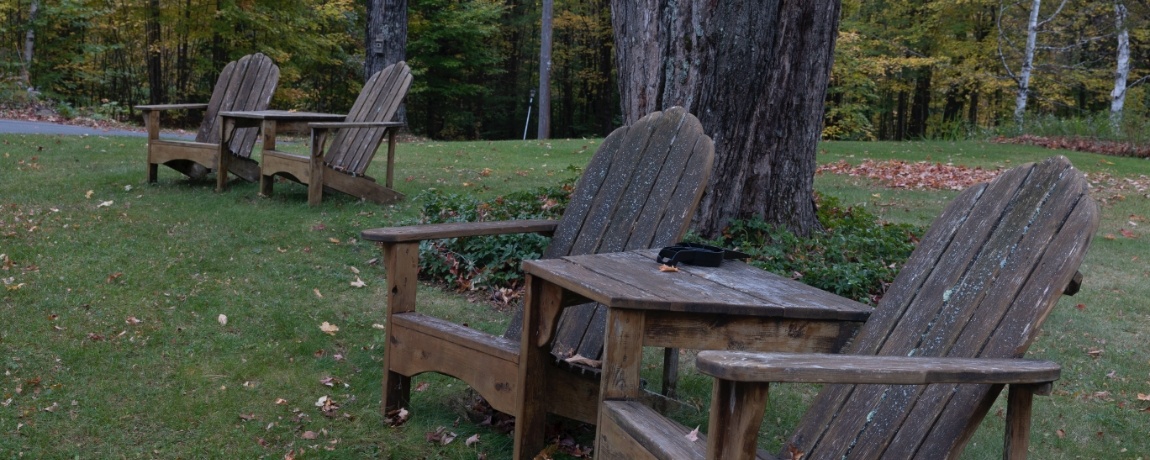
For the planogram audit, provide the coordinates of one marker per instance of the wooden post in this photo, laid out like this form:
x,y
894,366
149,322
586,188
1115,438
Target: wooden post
x,y
401,260
531,414
736,413
227,128
1018,407
152,123
315,170
390,157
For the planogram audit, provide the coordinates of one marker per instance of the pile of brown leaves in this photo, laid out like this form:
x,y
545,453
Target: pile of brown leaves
x,y
1080,144
918,175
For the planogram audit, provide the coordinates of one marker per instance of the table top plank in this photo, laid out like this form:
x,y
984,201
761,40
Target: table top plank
x,y
633,280
776,290
283,115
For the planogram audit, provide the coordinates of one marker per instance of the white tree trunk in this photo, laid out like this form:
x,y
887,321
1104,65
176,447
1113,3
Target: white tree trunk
x,y
1122,67
29,43
1027,63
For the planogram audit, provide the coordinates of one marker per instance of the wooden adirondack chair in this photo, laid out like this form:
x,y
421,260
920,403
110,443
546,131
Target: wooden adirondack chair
x,y
933,356
341,167
640,190
245,84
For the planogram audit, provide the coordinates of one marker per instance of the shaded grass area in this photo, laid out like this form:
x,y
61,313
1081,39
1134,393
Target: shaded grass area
x,y
112,344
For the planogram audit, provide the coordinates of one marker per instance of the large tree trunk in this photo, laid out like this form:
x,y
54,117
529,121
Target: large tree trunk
x,y
755,72
386,39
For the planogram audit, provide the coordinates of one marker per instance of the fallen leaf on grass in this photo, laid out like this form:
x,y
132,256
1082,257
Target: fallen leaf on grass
x,y
441,436
105,204
1127,233
309,435
223,319
1143,397
132,320
317,293
358,283
1060,433
474,439
1094,352
113,277
378,326
281,402
329,381
693,436
333,240
88,194
329,328
421,387
396,417
248,417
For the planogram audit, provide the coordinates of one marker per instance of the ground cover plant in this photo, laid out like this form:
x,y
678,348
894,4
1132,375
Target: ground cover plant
x,y
170,321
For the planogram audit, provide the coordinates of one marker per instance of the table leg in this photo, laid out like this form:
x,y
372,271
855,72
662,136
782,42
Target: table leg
x,y
227,128
622,359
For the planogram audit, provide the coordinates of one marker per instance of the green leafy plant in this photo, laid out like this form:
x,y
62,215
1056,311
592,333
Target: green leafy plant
x,y
487,262
857,256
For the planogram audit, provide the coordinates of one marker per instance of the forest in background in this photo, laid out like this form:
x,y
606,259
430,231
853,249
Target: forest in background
x,y
904,69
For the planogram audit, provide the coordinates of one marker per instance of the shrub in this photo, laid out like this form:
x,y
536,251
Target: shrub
x,y
487,262
856,257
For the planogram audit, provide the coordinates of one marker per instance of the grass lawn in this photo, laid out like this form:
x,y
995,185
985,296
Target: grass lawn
x,y
114,344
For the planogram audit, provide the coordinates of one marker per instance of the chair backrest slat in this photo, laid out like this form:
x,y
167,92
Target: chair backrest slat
x,y
640,190
352,149
247,84
980,284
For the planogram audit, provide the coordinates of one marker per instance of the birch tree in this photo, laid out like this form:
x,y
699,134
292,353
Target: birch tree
x,y
1022,78
29,43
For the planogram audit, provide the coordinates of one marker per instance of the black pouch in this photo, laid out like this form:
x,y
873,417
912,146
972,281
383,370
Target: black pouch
x,y
697,254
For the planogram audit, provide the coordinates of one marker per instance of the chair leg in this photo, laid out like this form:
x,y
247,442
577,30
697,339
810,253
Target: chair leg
x,y
737,410
531,413
396,391
401,262
1018,409
266,184
153,172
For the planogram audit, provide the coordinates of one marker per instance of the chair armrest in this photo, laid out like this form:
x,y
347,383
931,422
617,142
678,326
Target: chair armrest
x,y
895,370
147,108
355,124
414,233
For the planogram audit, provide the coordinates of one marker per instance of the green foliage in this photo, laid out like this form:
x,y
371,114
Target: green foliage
x,y
452,61
855,257
487,262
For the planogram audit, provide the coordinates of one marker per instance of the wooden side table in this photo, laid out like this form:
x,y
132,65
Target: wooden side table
x,y
732,307
267,120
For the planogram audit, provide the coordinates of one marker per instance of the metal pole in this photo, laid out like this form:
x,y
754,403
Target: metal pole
x,y
530,101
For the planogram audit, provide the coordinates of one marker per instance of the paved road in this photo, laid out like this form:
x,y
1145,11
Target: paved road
x,y
41,127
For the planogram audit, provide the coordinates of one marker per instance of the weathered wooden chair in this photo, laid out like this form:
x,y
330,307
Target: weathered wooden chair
x,y
933,356
243,85
342,166
640,190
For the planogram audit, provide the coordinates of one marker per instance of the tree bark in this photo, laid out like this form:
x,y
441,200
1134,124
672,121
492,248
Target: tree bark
x,y
1122,66
544,131
755,72
386,39
157,90
1023,92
